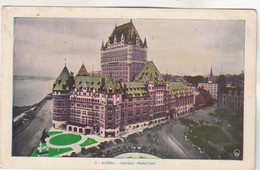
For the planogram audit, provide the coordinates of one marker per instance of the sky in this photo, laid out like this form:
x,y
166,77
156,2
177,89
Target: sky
x,y
42,46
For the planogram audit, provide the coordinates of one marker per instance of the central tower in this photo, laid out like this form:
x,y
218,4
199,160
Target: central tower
x,y
124,54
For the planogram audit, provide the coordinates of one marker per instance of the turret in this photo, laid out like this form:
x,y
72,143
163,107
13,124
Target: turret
x,y
102,45
145,43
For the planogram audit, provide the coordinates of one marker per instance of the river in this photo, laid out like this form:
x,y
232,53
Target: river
x,y
29,92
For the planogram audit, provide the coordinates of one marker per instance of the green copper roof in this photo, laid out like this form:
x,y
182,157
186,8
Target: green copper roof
x,y
175,86
129,33
134,89
82,71
62,82
150,71
111,85
88,82
145,43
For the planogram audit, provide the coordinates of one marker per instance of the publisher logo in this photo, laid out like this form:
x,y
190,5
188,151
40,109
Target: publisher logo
x,y
236,152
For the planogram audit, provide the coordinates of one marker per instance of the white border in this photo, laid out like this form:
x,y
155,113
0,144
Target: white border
x,y
6,161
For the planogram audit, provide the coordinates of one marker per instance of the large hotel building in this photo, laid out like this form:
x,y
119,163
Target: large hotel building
x,y
130,94
124,54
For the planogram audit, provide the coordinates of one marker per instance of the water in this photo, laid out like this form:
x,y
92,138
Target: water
x,y
29,92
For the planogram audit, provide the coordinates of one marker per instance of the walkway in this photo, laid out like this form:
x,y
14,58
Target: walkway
x,y
28,139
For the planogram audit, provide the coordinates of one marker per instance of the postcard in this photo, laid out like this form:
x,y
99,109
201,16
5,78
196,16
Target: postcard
x,y
128,88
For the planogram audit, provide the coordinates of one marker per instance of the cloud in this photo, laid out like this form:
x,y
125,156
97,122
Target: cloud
x,y
178,46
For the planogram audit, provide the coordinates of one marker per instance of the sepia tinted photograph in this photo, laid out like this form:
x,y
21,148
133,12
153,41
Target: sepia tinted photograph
x,y
128,91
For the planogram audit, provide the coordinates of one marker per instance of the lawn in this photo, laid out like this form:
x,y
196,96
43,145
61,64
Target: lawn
x,y
231,147
209,133
53,151
65,139
206,147
54,133
88,141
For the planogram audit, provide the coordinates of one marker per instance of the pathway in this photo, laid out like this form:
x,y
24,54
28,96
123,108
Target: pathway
x,y
28,139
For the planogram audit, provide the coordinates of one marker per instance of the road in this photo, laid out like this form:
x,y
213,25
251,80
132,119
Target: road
x,y
173,140
28,139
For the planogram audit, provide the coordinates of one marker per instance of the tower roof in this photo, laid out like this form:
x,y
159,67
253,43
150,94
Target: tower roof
x,y
82,71
128,31
62,82
65,73
150,71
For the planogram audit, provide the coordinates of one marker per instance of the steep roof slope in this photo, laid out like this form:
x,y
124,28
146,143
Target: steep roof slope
x,y
126,31
82,71
62,83
149,71
88,82
134,89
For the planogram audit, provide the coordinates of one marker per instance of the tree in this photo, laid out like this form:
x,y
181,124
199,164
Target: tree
x,y
194,80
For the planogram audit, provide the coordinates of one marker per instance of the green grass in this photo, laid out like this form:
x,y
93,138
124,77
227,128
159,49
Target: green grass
x,y
206,147
88,141
34,152
56,151
231,147
188,122
209,133
54,133
142,157
201,136
65,139
53,151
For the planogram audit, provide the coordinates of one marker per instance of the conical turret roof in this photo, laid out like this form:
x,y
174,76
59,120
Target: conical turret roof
x,y
64,74
82,71
62,82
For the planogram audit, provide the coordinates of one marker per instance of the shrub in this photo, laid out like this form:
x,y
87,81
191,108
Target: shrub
x,y
118,141
73,154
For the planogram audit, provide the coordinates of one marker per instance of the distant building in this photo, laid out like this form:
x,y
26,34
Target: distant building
x,y
203,98
124,54
212,88
235,80
232,99
211,77
174,78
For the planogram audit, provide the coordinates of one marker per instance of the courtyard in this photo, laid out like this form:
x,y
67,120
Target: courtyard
x,y
61,142
197,135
